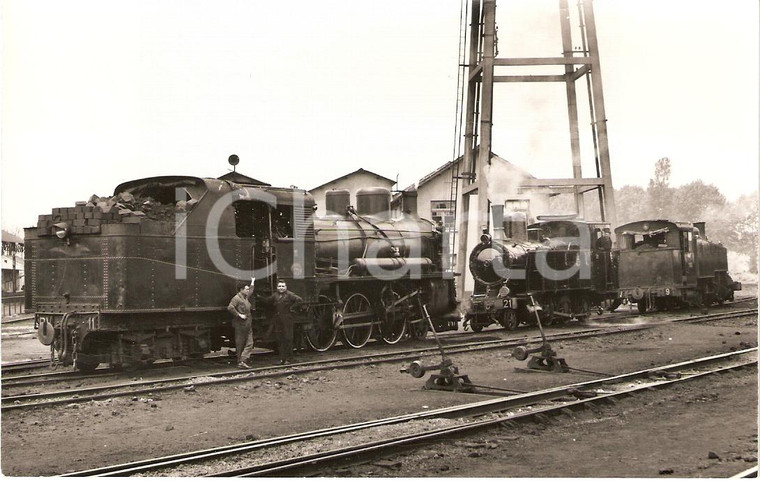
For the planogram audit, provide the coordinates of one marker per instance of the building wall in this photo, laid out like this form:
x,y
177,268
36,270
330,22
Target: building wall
x,y
352,183
9,267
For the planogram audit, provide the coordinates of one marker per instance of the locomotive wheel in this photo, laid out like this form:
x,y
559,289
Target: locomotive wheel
x,y
86,363
547,314
393,324
322,334
585,309
564,306
418,330
508,319
357,321
641,305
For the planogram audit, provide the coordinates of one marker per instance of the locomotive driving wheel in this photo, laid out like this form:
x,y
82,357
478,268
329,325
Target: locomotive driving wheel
x,y
642,305
322,334
508,319
393,322
357,321
585,309
564,309
418,329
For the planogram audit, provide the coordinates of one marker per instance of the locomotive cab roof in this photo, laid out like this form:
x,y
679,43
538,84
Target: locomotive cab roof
x,y
652,227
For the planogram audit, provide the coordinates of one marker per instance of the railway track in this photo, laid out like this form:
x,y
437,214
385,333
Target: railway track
x,y
18,366
747,473
324,449
66,396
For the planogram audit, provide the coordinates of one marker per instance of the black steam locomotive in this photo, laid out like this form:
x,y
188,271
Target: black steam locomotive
x,y
560,269
148,272
667,264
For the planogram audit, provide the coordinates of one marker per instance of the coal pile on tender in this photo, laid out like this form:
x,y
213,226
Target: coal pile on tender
x,y
86,217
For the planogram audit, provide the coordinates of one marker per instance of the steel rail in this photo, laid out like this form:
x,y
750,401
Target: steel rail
x,y
286,467
21,365
313,464
747,473
36,363
54,397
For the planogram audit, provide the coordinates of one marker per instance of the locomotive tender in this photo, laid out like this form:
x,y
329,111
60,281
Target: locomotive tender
x,y
148,273
667,264
560,268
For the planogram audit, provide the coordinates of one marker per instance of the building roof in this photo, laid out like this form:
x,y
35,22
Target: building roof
x,y
239,178
358,171
447,165
8,237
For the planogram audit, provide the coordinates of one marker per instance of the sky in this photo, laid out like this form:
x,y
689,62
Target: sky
x,y
95,93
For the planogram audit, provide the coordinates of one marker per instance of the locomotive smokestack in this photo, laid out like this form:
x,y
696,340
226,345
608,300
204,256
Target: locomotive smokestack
x,y
497,211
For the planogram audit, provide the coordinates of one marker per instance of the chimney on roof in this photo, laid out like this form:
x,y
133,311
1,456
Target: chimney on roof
x,y
409,202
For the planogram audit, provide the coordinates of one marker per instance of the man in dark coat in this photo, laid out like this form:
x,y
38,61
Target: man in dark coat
x,y
282,301
604,243
240,308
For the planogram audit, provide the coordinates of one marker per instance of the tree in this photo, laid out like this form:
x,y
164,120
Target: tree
x,y
659,191
691,201
743,230
632,204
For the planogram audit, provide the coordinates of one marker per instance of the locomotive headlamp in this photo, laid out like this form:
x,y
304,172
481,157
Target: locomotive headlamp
x,y
485,239
62,231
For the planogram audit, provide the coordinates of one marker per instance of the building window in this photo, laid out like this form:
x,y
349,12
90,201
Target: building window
x,y
441,209
517,205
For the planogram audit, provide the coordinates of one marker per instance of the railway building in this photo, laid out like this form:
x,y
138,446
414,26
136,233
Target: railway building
x,y
353,181
12,274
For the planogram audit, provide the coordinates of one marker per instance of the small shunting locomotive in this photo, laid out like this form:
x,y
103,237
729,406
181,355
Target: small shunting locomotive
x,y
559,268
666,264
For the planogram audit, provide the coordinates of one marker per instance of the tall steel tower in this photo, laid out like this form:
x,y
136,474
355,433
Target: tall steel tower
x,y
574,65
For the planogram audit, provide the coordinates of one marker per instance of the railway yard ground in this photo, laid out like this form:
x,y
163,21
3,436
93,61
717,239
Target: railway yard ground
x,y
706,427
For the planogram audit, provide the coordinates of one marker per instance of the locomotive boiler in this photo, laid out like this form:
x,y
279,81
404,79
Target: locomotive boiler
x,y
148,272
666,264
561,271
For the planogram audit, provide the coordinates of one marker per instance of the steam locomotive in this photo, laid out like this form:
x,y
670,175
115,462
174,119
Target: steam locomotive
x,y
148,272
667,264
558,268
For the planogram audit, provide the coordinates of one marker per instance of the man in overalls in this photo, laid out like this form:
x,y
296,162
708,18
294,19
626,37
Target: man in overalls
x,y
240,308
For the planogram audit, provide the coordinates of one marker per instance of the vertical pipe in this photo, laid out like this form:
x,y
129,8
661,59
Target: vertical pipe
x,y
608,208
468,157
572,102
486,111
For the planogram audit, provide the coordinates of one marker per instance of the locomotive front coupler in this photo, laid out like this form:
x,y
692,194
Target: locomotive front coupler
x,y
448,378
